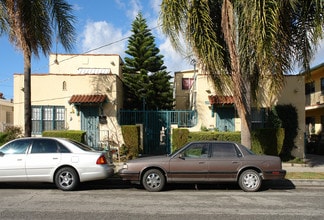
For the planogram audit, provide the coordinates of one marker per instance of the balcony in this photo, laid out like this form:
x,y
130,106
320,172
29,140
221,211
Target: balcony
x,y
315,99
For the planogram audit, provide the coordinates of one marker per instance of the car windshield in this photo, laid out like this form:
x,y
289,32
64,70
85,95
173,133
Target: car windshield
x,y
176,152
82,146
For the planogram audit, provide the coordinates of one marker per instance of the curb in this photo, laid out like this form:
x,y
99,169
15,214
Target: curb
x,y
308,182
294,183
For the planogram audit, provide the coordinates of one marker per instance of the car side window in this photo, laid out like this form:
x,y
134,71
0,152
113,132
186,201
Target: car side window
x,y
62,148
16,147
44,146
224,150
196,150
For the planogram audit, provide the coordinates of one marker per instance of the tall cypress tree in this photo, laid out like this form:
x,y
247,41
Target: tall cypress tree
x,y
147,83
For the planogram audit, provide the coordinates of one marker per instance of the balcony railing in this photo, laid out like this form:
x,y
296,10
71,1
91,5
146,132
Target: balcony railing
x,y
315,98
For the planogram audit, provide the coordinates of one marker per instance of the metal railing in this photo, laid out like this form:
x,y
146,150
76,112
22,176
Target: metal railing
x,y
182,118
315,98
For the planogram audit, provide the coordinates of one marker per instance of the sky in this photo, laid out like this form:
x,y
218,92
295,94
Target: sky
x,y
104,24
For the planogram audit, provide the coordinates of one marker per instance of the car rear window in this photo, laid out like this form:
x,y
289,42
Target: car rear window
x,y
247,150
82,146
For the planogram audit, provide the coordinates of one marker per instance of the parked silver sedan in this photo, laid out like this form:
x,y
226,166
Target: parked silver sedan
x,y
61,161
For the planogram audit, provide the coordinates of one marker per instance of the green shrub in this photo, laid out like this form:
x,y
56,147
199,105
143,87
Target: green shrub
x,y
264,141
76,135
10,133
179,138
268,141
220,136
289,118
273,119
131,135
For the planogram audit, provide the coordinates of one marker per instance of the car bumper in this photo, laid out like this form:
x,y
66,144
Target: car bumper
x,y
274,174
129,175
101,172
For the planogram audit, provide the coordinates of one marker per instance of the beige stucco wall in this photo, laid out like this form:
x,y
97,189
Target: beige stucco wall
x,y
185,101
70,63
294,93
6,113
49,89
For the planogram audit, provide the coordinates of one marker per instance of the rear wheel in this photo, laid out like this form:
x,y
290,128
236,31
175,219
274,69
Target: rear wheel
x,y
250,181
153,180
66,179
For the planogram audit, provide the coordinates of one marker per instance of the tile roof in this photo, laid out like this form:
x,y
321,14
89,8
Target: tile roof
x,y
221,100
87,99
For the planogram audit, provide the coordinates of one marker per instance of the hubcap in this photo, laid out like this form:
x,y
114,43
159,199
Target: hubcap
x,y
66,179
251,181
153,180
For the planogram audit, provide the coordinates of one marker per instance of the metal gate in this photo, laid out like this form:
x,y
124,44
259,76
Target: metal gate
x,y
157,127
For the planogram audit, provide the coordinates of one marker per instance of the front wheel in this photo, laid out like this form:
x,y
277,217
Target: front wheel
x,y
250,181
66,179
153,180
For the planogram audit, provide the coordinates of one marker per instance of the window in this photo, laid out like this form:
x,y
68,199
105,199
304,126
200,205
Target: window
x,y
47,118
9,117
310,125
64,86
322,86
187,83
309,88
48,146
16,147
196,150
258,118
224,150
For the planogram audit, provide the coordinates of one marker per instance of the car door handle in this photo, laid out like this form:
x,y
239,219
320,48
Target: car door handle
x,y
55,158
201,162
234,162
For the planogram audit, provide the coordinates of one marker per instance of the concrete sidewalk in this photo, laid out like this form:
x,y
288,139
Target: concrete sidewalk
x,y
313,163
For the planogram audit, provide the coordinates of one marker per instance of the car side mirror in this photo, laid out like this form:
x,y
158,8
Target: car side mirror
x,y
181,156
1,154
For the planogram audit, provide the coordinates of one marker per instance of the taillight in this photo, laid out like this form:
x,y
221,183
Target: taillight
x,y
101,160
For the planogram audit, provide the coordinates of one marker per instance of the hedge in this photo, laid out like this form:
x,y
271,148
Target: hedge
x,y
264,141
131,135
76,135
268,141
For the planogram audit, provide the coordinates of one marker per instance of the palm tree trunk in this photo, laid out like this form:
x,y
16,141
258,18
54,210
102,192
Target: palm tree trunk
x,y
246,114
27,92
241,90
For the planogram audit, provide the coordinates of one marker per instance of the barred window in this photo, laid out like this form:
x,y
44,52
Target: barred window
x,y
47,118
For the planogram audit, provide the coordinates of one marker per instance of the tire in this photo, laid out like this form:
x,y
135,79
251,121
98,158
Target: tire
x,y
153,180
250,181
66,179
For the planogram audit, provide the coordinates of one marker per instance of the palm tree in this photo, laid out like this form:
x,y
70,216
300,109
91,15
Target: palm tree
x,y
31,25
243,43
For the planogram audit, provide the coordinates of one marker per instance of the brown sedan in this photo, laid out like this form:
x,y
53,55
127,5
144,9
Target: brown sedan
x,y
204,162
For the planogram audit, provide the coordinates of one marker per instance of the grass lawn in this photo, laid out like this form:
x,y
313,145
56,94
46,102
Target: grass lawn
x,y
304,175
